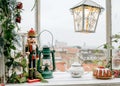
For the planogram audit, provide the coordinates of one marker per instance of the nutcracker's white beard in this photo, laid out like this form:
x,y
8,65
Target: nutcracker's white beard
x,y
34,46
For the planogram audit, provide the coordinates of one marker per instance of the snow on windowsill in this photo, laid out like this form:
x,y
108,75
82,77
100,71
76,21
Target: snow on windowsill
x,y
65,79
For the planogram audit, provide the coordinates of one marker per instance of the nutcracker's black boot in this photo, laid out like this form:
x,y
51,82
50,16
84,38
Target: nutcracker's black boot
x,y
34,73
30,74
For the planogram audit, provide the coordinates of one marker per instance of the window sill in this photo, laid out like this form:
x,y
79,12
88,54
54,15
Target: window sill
x,y
64,79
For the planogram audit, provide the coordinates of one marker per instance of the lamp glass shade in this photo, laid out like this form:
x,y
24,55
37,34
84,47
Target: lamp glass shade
x,y
86,16
46,62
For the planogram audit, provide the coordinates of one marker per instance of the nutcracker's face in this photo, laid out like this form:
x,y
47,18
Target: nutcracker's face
x,y
31,40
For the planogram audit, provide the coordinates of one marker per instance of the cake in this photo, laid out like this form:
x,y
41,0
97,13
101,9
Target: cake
x,y
102,73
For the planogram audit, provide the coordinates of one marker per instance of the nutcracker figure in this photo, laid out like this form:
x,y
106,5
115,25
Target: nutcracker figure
x,y
32,52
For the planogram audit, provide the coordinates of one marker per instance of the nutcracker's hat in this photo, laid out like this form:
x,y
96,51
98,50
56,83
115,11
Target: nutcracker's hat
x,y
31,33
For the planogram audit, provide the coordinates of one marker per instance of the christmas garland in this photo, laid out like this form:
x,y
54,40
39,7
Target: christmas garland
x,y
9,18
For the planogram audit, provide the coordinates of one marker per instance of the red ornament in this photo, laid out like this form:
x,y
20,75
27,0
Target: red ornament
x,y
18,19
116,73
19,5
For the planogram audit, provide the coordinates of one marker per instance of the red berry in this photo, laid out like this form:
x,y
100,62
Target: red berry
x,y
19,5
18,19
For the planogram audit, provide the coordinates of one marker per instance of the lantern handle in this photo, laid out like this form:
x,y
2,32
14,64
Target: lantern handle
x,y
53,59
41,33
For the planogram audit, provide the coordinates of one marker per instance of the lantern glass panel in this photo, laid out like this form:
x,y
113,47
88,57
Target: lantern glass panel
x,y
77,13
46,62
85,18
91,15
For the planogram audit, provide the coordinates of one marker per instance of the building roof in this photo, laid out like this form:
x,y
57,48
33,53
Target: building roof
x,y
72,50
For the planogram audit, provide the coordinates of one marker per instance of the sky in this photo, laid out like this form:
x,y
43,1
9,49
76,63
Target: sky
x,y
56,17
